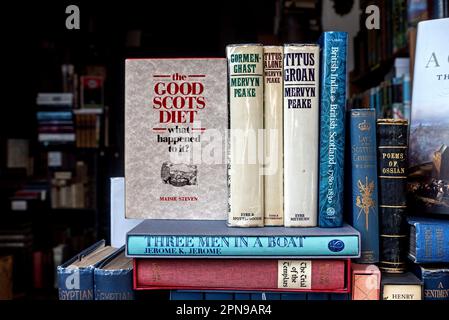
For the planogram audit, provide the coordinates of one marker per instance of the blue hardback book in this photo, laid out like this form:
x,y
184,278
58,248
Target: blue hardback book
x,y
113,278
332,128
435,280
364,202
429,240
76,276
213,239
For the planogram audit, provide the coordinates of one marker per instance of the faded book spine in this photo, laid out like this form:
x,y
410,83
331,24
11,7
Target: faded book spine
x,y
365,217
332,128
245,171
392,163
301,116
241,274
273,144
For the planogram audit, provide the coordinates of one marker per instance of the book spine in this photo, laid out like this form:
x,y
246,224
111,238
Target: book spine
x,y
332,128
251,247
285,275
436,284
392,163
431,243
75,284
301,113
365,217
245,172
113,284
273,145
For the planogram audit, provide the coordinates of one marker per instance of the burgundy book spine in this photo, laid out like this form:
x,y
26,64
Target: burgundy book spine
x,y
241,274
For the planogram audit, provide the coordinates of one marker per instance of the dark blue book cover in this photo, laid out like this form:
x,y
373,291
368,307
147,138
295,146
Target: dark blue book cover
x,y
365,217
218,296
332,128
317,296
429,240
186,295
113,278
435,280
77,283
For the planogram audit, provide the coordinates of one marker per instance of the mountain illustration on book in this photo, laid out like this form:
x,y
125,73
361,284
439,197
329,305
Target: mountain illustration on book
x,y
179,175
365,201
428,183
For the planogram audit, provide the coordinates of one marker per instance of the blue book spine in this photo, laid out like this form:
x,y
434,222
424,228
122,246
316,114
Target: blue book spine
x,y
293,296
188,246
265,296
113,284
218,296
436,283
339,296
429,242
332,128
242,296
365,217
181,295
76,284
318,296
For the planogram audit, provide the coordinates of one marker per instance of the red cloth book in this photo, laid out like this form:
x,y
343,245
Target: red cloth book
x,y
242,274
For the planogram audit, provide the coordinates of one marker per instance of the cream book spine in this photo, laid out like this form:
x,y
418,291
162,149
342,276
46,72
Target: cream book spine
x,y
301,133
245,149
273,145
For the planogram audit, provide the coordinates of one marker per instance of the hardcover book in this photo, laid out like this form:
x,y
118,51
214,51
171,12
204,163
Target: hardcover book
x,y
76,276
429,240
213,239
435,280
175,123
332,127
392,163
301,114
365,217
273,145
113,278
404,286
242,274
245,169
428,183
365,281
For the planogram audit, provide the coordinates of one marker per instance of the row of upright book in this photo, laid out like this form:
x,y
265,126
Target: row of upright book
x,y
204,219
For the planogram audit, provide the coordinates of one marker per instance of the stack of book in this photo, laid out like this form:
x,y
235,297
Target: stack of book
x,y
55,118
311,201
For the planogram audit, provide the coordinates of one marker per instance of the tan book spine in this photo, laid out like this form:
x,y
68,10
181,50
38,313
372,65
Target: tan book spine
x,y
245,151
273,136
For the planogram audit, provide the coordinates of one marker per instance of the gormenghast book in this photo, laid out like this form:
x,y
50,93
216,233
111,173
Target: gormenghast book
x,y
301,129
428,183
241,274
404,286
273,145
213,239
392,162
429,240
245,168
435,281
365,217
175,124
332,127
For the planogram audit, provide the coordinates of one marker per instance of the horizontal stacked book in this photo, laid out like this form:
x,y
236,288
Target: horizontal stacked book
x,y
55,118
